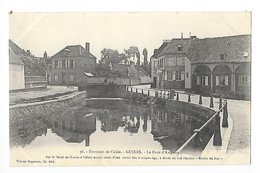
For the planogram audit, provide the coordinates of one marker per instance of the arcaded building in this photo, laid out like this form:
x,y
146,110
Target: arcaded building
x,y
218,65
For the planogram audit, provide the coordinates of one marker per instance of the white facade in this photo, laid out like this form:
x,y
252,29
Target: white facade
x,y
187,73
16,76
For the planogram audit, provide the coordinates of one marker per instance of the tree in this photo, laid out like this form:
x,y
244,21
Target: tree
x,y
138,57
145,53
110,55
131,52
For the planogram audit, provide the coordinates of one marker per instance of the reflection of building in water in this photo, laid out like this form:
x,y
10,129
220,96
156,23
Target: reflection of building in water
x,y
125,114
172,129
111,120
22,133
76,128
132,124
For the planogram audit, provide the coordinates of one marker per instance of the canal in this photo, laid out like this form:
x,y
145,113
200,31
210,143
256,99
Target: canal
x,y
96,124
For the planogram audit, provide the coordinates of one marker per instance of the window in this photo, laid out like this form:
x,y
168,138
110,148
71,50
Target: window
x,y
71,78
63,64
182,75
50,66
155,64
173,75
56,64
187,74
162,62
179,48
180,61
169,75
56,78
71,63
165,75
203,80
221,80
178,75
245,54
222,56
171,61
243,80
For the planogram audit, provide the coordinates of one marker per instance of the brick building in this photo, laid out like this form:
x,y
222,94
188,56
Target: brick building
x,y
70,65
210,65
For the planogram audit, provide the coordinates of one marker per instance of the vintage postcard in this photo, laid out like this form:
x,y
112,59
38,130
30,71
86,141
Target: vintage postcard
x,y
129,88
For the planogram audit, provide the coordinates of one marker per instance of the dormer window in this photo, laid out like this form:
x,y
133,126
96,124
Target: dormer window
x,y
222,56
179,48
245,54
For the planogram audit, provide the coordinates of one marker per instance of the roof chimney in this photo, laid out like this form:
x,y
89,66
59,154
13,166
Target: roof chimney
x,y
190,34
45,54
193,37
29,52
87,47
181,35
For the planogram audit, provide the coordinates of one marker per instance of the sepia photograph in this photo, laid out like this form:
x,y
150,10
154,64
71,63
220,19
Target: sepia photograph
x,y
129,88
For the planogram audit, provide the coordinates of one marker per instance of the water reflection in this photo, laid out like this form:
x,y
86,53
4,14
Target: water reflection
x,y
77,127
172,129
91,121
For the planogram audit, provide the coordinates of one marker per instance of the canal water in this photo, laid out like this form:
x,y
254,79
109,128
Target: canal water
x,y
109,124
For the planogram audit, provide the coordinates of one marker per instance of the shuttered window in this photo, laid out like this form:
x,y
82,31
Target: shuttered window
x,y
182,75
165,75
203,80
217,80
173,75
221,80
206,80
169,75
198,80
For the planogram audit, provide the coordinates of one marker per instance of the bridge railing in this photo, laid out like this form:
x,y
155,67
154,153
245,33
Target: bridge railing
x,y
150,92
217,139
171,94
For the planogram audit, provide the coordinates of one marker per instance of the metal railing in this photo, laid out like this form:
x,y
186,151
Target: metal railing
x,y
217,140
171,94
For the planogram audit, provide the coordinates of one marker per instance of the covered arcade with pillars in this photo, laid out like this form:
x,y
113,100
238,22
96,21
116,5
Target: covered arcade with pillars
x,y
218,65
221,78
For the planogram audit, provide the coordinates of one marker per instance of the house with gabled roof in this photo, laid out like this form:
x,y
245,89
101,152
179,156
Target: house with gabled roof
x,y
71,65
211,65
168,63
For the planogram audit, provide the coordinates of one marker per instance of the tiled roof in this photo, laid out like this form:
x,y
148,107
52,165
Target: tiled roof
x,y
139,68
13,58
123,68
17,50
158,51
208,50
172,47
73,51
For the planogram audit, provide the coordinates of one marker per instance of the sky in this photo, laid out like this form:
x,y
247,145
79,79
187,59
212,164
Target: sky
x,y
51,32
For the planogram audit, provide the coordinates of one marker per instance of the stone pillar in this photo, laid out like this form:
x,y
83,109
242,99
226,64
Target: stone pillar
x,y
211,102
233,82
200,99
211,81
225,116
217,141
